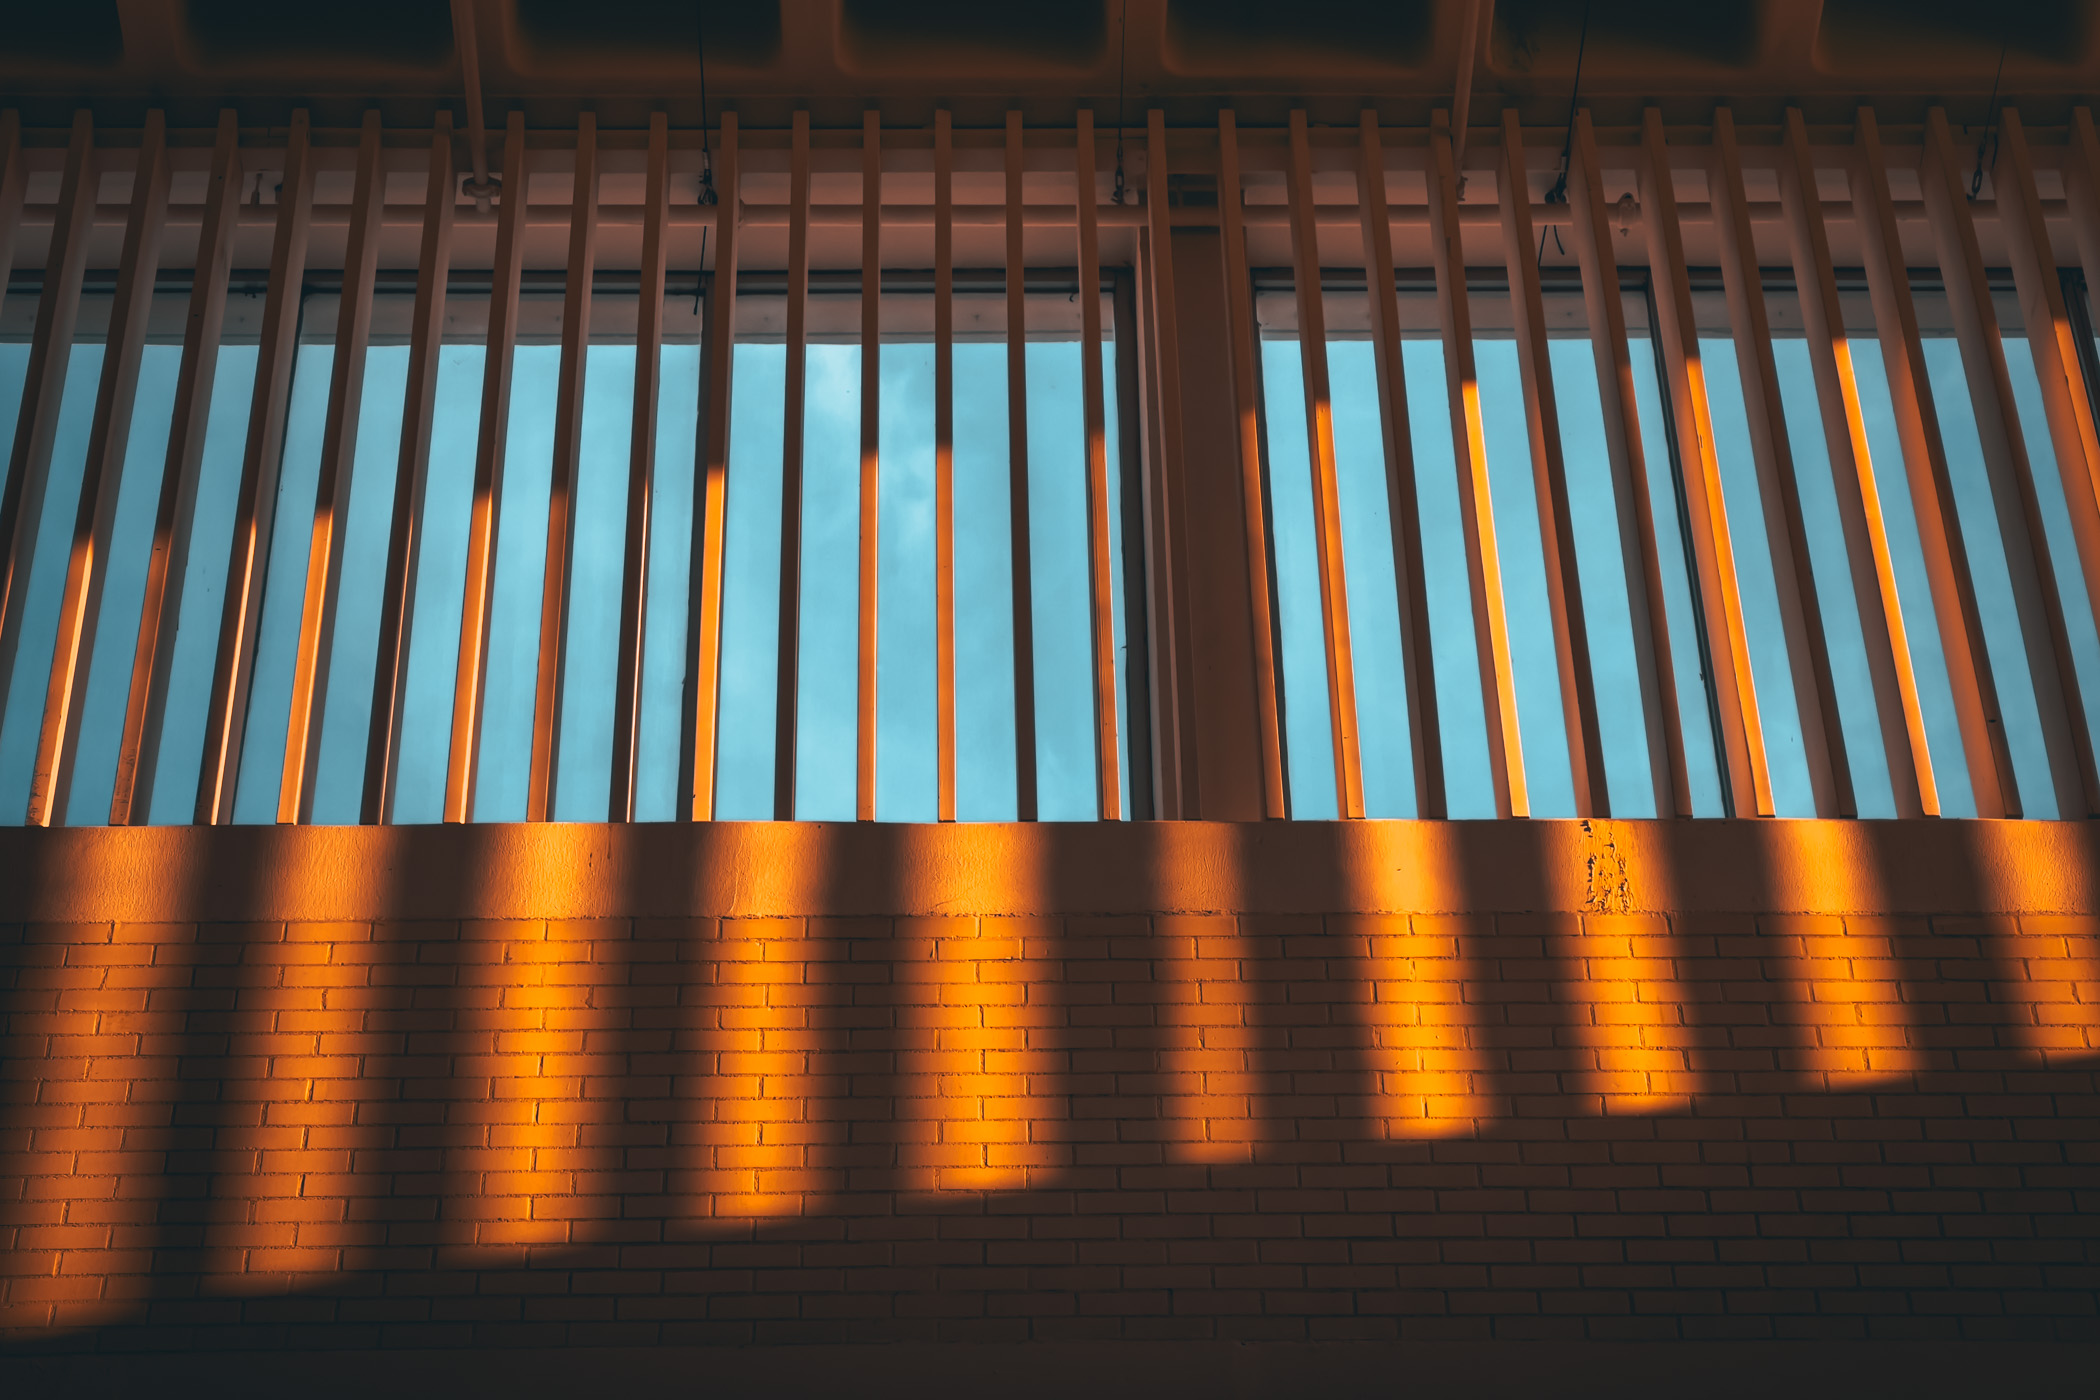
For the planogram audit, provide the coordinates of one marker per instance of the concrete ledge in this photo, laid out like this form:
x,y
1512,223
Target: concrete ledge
x,y
186,874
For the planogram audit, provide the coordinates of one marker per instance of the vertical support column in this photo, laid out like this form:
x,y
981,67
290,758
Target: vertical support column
x,y
102,480
1549,476
255,507
1800,613
1418,667
1094,417
1476,501
44,387
174,517
1940,535
944,461
1326,491
641,469
870,461
711,496
1640,558
1178,793
1748,777
2066,404
1017,472
463,770
1126,317
1852,480
791,437
2043,626
324,558
568,464
404,549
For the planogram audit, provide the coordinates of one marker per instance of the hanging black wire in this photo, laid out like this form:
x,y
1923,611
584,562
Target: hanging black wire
x,y
1559,193
1990,126
1122,67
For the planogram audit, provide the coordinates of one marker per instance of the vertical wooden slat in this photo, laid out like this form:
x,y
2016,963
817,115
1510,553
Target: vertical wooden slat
x,y
2067,407
1126,328
43,388
1852,480
1748,777
870,463
484,516
1094,419
324,557
1476,501
1640,557
1940,535
641,471
1179,792
568,464
944,461
404,549
1326,487
2043,625
101,481
1786,534
1549,475
1017,474
174,518
255,506
711,494
791,439
1254,513
1418,667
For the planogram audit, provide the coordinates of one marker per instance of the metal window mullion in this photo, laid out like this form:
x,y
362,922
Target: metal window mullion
x,y
174,519
1677,334
1418,667
870,600
1017,475
550,692
331,511
404,551
698,743
101,482
1127,328
1094,423
2053,340
1786,534
2043,626
484,513
944,461
1640,555
641,473
43,390
2081,177
1475,499
1549,475
792,437
1326,487
1852,478
1178,794
1940,534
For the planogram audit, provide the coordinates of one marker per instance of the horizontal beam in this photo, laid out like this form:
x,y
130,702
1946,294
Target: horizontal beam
x,y
788,869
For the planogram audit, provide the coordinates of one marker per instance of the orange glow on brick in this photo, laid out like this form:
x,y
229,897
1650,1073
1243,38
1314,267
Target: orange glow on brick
x,y
1422,1049
1850,1023
1204,1003
2055,968
1631,1014
966,1111
756,1127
